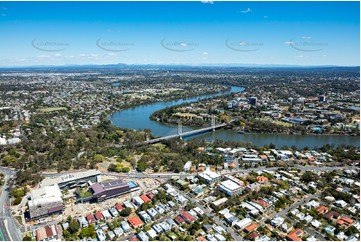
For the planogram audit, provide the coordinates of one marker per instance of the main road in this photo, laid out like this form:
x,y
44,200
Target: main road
x,y
8,226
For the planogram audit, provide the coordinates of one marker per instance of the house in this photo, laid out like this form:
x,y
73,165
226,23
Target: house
x,y
262,203
90,218
332,215
65,225
152,212
118,231
165,226
98,215
47,233
145,217
346,221
207,228
150,195
157,228
125,226
340,203
118,207
113,212
142,236
219,237
135,222
106,214
286,227
100,235
145,198
295,235
151,233
137,201
83,222
111,234
171,204
312,204
322,209
187,217
262,179
253,187
315,223
277,221
307,219
179,220
253,236
171,222
250,228
243,223
330,229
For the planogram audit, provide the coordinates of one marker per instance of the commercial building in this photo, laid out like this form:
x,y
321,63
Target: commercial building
x,y
45,201
230,188
210,177
73,180
104,190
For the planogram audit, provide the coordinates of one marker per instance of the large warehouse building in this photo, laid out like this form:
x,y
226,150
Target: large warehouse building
x,y
104,190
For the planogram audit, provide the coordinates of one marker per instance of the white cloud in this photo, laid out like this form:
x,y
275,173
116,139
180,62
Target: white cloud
x,y
204,53
57,55
248,10
209,2
306,37
43,56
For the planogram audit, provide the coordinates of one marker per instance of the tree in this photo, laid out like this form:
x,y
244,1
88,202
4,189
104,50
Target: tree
x,y
99,158
142,166
309,176
8,159
125,212
73,227
27,238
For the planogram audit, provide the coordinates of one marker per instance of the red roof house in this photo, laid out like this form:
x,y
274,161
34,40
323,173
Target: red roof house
x,y
98,215
90,218
135,221
145,198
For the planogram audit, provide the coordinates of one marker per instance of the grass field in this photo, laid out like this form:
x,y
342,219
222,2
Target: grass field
x,y
48,110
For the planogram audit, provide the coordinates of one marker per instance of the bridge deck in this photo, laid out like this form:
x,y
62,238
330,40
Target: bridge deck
x,y
192,132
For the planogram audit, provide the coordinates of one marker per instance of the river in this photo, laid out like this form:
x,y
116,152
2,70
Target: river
x,y
138,118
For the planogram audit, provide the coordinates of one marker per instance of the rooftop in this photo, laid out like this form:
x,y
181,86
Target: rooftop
x,y
45,195
68,177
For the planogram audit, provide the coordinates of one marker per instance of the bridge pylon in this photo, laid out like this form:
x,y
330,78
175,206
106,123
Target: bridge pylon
x,y
180,128
213,122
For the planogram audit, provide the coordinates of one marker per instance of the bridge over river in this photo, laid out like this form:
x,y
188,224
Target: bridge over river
x,y
182,134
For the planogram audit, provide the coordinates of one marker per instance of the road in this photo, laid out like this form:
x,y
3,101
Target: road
x,y
212,215
283,213
8,226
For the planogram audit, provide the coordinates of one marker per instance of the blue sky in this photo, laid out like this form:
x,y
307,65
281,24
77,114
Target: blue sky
x,y
297,33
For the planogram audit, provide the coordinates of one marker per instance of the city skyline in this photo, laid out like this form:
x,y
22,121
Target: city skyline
x,y
180,33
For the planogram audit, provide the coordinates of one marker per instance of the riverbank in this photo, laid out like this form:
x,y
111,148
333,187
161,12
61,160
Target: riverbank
x,y
138,118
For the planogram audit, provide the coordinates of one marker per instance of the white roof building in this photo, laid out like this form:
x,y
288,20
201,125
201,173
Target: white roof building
x,y
230,188
45,200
